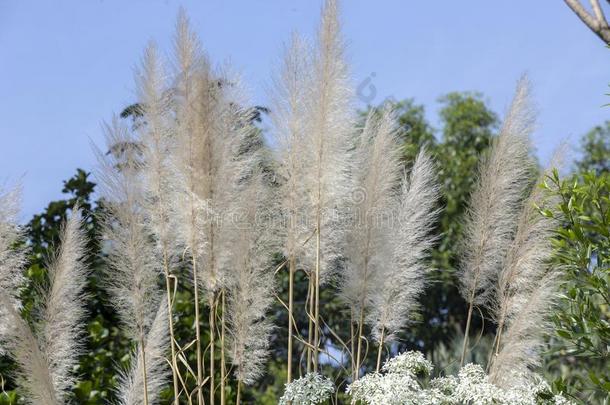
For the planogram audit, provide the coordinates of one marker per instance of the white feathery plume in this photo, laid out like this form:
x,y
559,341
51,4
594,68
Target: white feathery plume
x,y
63,311
495,203
12,258
189,208
288,116
523,340
210,136
393,302
34,376
16,337
132,272
156,344
157,145
157,141
211,159
527,259
329,124
46,362
376,176
250,294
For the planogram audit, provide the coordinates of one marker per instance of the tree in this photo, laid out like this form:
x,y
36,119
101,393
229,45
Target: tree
x,y
595,149
580,352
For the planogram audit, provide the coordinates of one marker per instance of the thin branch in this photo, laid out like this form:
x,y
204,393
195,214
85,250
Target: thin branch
x,y
597,23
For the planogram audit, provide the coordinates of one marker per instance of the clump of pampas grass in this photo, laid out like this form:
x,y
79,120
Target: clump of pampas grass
x,y
47,352
503,178
132,273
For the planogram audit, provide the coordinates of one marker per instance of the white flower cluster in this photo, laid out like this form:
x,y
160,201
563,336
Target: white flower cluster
x,y
408,363
399,386
311,389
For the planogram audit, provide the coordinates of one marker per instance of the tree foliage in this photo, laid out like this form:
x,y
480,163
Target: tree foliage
x,y
582,347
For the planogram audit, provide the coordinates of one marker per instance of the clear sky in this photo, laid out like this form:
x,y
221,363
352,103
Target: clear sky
x,y
65,66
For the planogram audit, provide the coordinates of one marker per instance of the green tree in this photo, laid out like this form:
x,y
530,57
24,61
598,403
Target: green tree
x,y
595,149
580,355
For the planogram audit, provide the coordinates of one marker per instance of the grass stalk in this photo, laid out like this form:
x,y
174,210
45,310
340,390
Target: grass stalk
x,y
144,377
170,318
238,396
310,298
291,270
316,338
467,331
200,400
212,320
359,345
223,370
380,350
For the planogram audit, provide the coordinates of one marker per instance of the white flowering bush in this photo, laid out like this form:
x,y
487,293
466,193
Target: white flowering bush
x,y
311,389
400,384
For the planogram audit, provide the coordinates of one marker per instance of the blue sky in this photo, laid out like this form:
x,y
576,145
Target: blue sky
x,y
65,66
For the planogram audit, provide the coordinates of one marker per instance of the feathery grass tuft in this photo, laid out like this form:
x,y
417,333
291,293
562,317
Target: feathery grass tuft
x,y
523,340
131,384
503,178
395,299
45,360
250,293
132,272
376,178
63,309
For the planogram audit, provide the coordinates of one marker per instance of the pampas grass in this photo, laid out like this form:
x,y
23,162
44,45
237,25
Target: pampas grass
x,y
523,338
12,257
148,364
250,293
190,210
527,260
189,186
46,353
495,203
157,142
329,122
289,129
376,176
132,272
63,307
212,134
394,300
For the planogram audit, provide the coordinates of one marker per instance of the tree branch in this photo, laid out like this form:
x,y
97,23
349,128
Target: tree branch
x,y
599,13
597,23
